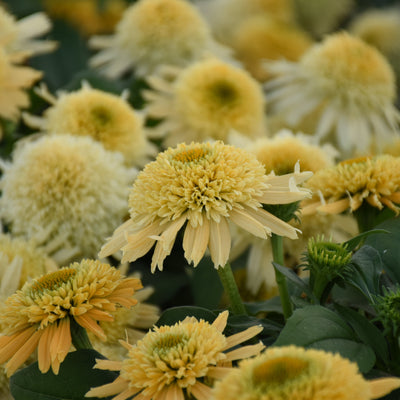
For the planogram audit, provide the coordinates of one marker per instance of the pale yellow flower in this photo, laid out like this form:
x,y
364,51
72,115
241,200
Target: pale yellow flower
x,y
226,16
205,101
260,38
66,193
19,38
205,186
104,116
152,33
349,184
173,362
378,27
20,261
350,85
13,82
320,17
129,323
39,315
294,373
88,16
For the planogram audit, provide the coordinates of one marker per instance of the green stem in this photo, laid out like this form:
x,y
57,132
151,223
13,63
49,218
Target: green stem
x,y
277,252
231,289
79,335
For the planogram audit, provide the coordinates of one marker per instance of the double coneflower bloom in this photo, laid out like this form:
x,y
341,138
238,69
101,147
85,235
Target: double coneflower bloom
x,y
202,187
41,313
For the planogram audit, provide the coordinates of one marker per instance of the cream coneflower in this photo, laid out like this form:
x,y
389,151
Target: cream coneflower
x,y
320,17
19,38
260,38
88,16
13,80
66,193
205,186
131,324
295,373
378,27
173,362
205,101
41,313
152,33
20,261
105,117
350,84
226,16
346,186
282,154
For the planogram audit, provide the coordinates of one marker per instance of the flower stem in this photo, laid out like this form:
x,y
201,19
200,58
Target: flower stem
x,y
231,289
80,337
277,252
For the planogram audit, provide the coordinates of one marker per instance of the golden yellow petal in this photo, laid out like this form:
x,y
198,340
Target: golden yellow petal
x,y
200,391
10,344
382,386
91,325
336,207
219,242
195,241
244,220
218,372
220,322
241,337
44,358
109,389
245,352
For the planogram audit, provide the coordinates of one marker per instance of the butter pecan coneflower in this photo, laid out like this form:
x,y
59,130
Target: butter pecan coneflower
x,y
172,362
205,186
40,315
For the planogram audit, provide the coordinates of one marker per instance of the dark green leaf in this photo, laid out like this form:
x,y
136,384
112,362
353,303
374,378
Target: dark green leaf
x,y
74,380
270,305
176,314
356,240
320,328
366,331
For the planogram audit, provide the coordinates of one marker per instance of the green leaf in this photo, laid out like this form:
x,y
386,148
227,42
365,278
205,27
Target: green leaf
x,y
320,328
365,273
206,285
74,380
366,331
176,314
270,305
296,280
388,247
356,240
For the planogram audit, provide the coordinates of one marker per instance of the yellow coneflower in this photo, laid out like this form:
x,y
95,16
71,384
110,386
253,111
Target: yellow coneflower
x,y
172,362
205,101
260,38
320,17
346,186
131,324
40,314
378,27
88,16
20,261
294,373
19,38
105,117
205,186
13,80
351,85
226,16
152,33
66,193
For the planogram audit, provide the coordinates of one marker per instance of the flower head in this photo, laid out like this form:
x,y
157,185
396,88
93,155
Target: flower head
x,y
88,16
378,27
19,37
131,323
173,361
20,261
387,307
13,80
261,38
349,82
202,185
152,33
349,184
65,193
105,117
40,314
294,373
206,101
